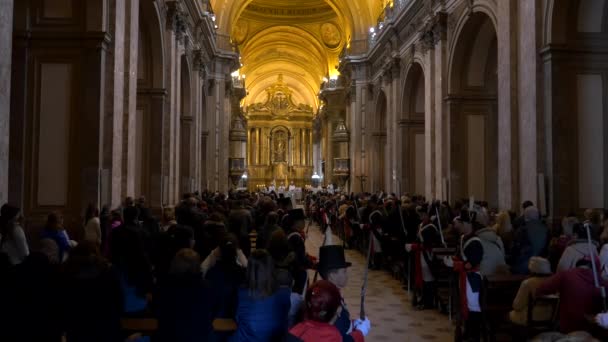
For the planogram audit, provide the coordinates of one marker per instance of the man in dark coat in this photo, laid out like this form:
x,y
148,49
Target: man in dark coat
x,y
293,224
333,267
240,223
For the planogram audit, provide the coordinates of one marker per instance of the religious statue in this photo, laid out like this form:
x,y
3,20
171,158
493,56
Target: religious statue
x,y
280,147
280,173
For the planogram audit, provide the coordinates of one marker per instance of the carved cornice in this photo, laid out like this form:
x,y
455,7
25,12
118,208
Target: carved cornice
x,y
176,20
434,31
199,61
439,27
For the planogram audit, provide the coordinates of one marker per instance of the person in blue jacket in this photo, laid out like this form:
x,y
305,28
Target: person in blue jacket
x,y
262,308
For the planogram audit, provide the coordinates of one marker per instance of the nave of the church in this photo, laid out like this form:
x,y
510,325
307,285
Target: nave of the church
x,y
464,140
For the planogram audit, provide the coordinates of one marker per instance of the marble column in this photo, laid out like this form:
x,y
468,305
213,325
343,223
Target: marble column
x,y
507,104
441,132
429,127
6,35
528,101
131,41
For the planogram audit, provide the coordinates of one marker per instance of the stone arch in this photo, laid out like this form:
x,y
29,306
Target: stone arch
x,y
411,128
472,102
576,110
151,41
151,83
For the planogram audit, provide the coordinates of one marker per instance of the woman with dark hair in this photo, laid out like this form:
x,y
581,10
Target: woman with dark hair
x,y
54,230
263,306
12,237
183,301
271,225
104,226
92,226
92,304
224,270
323,300
131,262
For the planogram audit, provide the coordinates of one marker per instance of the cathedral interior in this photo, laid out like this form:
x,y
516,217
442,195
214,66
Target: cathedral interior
x,y
497,100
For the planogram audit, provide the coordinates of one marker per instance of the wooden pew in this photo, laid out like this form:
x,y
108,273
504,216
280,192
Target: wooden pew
x,y
224,325
149,326
141,325
499,292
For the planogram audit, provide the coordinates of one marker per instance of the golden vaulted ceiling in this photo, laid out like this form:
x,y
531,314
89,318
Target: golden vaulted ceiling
x,y
299,39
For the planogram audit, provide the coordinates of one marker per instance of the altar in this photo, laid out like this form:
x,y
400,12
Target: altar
x,y
279,140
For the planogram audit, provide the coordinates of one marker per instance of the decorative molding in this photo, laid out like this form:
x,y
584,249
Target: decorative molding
x,y
176,20
440,26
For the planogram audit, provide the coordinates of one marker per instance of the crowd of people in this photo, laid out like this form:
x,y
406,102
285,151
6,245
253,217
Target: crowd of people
x,y
568,260
196,264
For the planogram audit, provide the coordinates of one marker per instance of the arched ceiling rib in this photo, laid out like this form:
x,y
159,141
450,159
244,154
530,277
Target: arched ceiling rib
x,y
300,40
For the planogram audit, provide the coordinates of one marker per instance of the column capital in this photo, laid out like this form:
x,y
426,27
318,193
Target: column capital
x,y
440,27
176,19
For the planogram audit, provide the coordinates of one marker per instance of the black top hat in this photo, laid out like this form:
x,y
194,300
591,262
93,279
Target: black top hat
x,y
284,201
331,257
296,214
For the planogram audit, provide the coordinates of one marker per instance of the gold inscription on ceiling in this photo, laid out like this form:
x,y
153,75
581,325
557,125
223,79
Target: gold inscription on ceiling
x,y
288,11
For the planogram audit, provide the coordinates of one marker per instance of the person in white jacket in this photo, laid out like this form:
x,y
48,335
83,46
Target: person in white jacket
x,y
12,237
577,249
92,228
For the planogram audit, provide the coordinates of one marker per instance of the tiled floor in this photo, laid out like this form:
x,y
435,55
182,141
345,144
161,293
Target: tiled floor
x,y
387,305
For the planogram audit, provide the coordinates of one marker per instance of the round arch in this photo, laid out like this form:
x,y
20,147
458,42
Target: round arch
x,y
151,86
412,141
472,89
576,32
153,57
413,91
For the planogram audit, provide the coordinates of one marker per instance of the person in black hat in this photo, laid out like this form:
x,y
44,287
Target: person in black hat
x,y
466,264
293,224
428,237
332,266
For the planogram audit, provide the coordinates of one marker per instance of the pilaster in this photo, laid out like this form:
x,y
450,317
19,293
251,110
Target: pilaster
x,y
507,105
6,38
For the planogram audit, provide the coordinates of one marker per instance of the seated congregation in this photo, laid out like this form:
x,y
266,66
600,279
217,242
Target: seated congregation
x,y
196,274
234,267
502,276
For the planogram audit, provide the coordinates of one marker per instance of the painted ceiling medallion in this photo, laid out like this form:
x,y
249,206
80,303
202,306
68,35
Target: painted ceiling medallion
x,y
330,34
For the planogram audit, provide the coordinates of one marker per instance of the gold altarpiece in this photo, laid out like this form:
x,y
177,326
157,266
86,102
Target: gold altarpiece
x,y
279,139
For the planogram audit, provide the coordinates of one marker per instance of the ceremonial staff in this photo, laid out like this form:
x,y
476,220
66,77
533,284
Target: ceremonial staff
x,y
364,285
593,267
401,218
439,223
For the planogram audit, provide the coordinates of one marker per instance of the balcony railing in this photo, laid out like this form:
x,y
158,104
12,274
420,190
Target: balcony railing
x,y
238,82
223,42
388,15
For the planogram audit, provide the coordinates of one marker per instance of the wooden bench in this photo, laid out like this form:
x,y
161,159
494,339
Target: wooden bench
x,y
224,325
148,326
141,325
499,292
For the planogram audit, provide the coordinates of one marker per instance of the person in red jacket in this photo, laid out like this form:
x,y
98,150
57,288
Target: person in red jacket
x,y
578,295
323,301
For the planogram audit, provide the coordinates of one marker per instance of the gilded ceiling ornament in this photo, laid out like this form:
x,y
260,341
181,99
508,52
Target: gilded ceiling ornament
x,y
330,35
279,101
240,31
